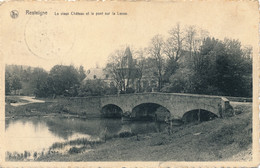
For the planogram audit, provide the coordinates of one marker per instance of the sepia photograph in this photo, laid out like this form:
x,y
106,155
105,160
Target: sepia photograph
x,y
162,82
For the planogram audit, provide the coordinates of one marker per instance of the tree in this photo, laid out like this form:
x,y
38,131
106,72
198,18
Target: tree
x,y
190,39
62,79
155,50
238,70
7,82
173,47
220,68
122,67
115,68
193,39
16,84
214,67
141,65
95,87
39,81
82,74
204,64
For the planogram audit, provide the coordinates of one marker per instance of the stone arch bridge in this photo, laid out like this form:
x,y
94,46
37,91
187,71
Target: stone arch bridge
x,y
177,104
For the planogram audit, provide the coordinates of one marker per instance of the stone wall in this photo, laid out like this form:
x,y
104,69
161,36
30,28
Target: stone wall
x,y
86,106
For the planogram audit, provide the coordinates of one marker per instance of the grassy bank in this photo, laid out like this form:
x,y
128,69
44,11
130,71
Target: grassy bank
x,y
59,106
228,139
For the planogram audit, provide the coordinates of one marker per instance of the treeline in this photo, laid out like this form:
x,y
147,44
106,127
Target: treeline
x,y
61,80
188,60
219,68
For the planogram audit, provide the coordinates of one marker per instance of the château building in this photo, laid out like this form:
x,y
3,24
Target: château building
x,y
126,75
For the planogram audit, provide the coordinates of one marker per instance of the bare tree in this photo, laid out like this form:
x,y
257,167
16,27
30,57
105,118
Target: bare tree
x,y
122,68
114,67
155,50
191,33
173,47
193,39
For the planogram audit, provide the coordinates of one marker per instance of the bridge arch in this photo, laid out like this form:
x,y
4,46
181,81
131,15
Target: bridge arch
x,y
111,110
198,115
205,107
149,110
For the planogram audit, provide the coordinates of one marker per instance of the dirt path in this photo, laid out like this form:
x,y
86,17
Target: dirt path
x,y
28,99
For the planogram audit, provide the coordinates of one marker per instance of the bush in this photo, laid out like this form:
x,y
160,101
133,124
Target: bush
x,y
130,90
125,134
75,150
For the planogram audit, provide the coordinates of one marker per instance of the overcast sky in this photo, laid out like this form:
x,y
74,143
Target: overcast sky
x,y
88,40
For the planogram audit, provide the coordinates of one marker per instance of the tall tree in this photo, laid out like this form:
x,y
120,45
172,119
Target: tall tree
x,y
173,49
155,50
220,69
193,40
190,40
39,81
63,79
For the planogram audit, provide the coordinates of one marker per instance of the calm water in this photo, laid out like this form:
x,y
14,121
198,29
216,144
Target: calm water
x,y
37,134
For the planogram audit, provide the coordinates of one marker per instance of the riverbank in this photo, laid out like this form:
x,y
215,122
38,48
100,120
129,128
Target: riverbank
x,y
219,139
227,139
22,106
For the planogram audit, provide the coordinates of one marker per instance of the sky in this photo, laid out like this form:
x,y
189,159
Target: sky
x,y
44,41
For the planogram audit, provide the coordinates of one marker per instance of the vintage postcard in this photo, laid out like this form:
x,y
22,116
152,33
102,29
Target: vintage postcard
x,y
129,84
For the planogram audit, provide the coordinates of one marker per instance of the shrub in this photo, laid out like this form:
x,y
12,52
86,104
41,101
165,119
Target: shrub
x,y
125,134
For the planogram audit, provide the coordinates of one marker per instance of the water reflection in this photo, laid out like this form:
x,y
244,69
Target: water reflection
x,y
28,135
38,133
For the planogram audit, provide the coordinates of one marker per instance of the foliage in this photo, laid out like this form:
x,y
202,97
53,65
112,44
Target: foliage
x,y
95,87
82,74
7,82
13,83
63,80
39,81
220,65
219,68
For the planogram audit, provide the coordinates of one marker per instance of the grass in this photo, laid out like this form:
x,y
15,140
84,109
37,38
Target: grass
x,y
59,106
32,109
81,141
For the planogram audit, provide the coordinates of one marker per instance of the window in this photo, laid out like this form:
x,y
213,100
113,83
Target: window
x,y
94,76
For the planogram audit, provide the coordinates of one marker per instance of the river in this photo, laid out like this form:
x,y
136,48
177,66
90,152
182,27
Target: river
x,y
37,134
